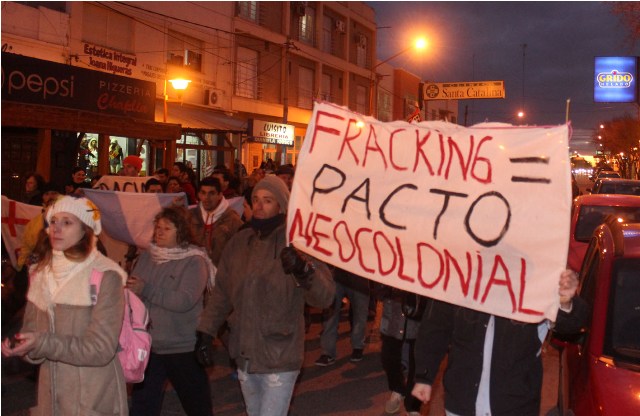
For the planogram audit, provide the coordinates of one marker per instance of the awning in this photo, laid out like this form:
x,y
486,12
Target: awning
x,y
199,119
59,118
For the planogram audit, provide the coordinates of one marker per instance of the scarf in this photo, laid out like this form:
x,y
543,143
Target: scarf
x,y
265,226
212,217
161,255
65,281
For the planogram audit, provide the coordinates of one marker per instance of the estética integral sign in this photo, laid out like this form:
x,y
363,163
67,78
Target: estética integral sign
x,y
271,133
475,216
35,81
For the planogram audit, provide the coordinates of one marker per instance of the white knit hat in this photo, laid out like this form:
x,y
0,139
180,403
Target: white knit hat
x,y
82,208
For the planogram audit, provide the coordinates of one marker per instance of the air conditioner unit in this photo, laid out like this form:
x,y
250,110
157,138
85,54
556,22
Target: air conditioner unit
x,y
213,98
341,26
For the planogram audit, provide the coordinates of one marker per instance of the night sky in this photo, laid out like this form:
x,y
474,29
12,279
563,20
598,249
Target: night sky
x,y
482,41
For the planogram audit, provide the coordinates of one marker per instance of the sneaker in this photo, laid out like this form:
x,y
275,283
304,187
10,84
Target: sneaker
x,y
393,404
356,355
325,360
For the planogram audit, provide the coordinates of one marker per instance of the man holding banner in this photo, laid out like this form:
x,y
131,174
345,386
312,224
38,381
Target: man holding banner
x,y
475,218
494,364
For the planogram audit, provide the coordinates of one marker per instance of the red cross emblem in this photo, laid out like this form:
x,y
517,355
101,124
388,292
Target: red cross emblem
x,y
12,220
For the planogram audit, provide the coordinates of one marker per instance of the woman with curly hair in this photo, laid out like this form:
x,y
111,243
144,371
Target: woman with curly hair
x,y
171,278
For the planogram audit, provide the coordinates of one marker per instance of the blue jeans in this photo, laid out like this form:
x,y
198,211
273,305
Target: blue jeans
x,y
267,394
359,308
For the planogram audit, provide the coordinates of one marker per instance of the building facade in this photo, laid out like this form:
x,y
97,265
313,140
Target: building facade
x,y
248,63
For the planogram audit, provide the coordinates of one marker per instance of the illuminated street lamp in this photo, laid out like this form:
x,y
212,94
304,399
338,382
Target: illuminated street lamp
x,y
179,84
419,44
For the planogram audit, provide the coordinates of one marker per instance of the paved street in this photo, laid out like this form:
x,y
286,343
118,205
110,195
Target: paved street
x,y
344,388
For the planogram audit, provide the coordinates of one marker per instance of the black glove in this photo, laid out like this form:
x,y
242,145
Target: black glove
x,y
204,349
293,263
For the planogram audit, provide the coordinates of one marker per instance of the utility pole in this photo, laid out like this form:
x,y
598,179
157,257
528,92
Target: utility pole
x,y
281,149
524,51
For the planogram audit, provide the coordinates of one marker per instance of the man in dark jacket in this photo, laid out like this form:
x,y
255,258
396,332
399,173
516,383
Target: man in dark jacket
x,y
261,288
494,364
213,220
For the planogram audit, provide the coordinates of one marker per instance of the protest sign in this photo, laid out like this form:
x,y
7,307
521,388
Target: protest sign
x,y
476,216
122,183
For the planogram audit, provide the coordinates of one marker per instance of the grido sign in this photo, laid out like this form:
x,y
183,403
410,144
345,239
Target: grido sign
x,y
615,79
34,81
477,216
271,133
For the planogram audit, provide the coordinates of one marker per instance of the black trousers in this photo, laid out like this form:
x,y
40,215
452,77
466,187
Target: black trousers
x,y
188,378
391,354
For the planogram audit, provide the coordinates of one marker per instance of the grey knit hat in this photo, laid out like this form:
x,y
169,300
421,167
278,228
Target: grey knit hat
x,y
277,187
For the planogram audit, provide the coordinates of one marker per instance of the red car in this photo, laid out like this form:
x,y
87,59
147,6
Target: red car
x,y
601,370
588,212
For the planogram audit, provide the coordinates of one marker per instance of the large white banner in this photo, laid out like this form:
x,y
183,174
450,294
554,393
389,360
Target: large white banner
x,y
476,216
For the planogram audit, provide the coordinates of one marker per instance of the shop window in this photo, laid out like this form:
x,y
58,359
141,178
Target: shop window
x,y
101,26
183,50
248,10
247,73
305,88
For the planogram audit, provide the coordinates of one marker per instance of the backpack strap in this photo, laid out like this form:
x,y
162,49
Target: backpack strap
x,y
94,285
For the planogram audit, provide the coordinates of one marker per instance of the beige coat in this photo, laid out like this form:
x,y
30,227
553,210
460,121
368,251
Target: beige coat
x,y
79,373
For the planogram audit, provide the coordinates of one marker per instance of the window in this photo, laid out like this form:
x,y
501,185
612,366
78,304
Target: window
x,y
306,23
248,10
327,31
384,106
104,27
325,93
183,50
361,99
305,88
361,50
247,73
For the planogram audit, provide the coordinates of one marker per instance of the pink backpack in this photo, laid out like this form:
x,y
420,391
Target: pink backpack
x,y
134,344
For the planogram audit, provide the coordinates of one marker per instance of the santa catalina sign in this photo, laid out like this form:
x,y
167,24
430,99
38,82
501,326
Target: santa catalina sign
x,y
476,216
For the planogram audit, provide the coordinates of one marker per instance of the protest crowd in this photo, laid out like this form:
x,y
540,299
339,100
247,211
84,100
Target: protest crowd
x,y
218,269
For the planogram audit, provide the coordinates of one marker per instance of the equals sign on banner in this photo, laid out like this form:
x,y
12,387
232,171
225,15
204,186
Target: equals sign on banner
x,y
534,160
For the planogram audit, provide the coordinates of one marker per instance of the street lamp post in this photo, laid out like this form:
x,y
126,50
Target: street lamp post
x,y
419,44
179,84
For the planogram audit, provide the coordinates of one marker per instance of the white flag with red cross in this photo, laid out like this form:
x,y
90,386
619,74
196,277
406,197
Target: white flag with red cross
x,y
15,216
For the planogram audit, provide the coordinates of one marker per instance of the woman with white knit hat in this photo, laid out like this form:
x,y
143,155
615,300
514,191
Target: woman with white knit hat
x,y
73,338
